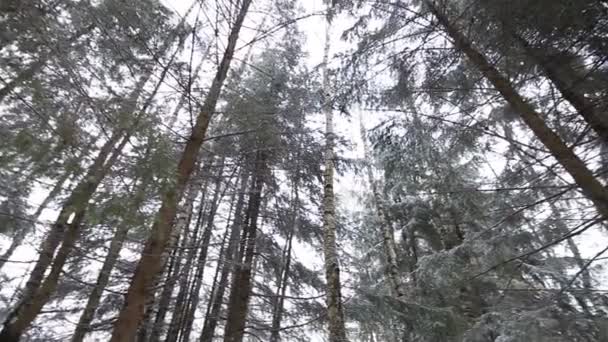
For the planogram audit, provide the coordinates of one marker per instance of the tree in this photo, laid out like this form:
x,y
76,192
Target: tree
x,y
335,312
149,264
468,205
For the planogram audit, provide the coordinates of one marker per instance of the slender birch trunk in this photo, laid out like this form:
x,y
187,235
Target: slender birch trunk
x,y
144,330
335,312
156,307
149,265
388,234
187,329
582,175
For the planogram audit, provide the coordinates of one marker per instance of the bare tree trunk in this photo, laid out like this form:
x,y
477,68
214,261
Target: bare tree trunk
x,y
584,178
144,330
335,312
155,307
226,263
388,234
240,291
187,329
150,263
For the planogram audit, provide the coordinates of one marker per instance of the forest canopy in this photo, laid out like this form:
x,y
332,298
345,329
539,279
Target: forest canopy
x,y
295,170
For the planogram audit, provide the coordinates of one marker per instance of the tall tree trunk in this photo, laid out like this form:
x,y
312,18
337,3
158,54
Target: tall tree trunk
x,y
388,234
184,217
335,312
66,229
193,300
283,281
21,234
583,177
63,230
87,315
156,307
229,224
240,290
149,265
184,276
226,263
151,307
38,292
597,120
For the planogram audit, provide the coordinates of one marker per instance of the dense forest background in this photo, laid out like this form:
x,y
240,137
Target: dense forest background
x,y
283,170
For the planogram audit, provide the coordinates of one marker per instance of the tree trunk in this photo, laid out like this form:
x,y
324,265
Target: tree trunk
x,y
597,120
229,222
150,308
184,217
226,262
279,300
65,228
21,234
388,234
103,278
150,262
335,313
155,307
184,276
240,290
192,303
583,177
